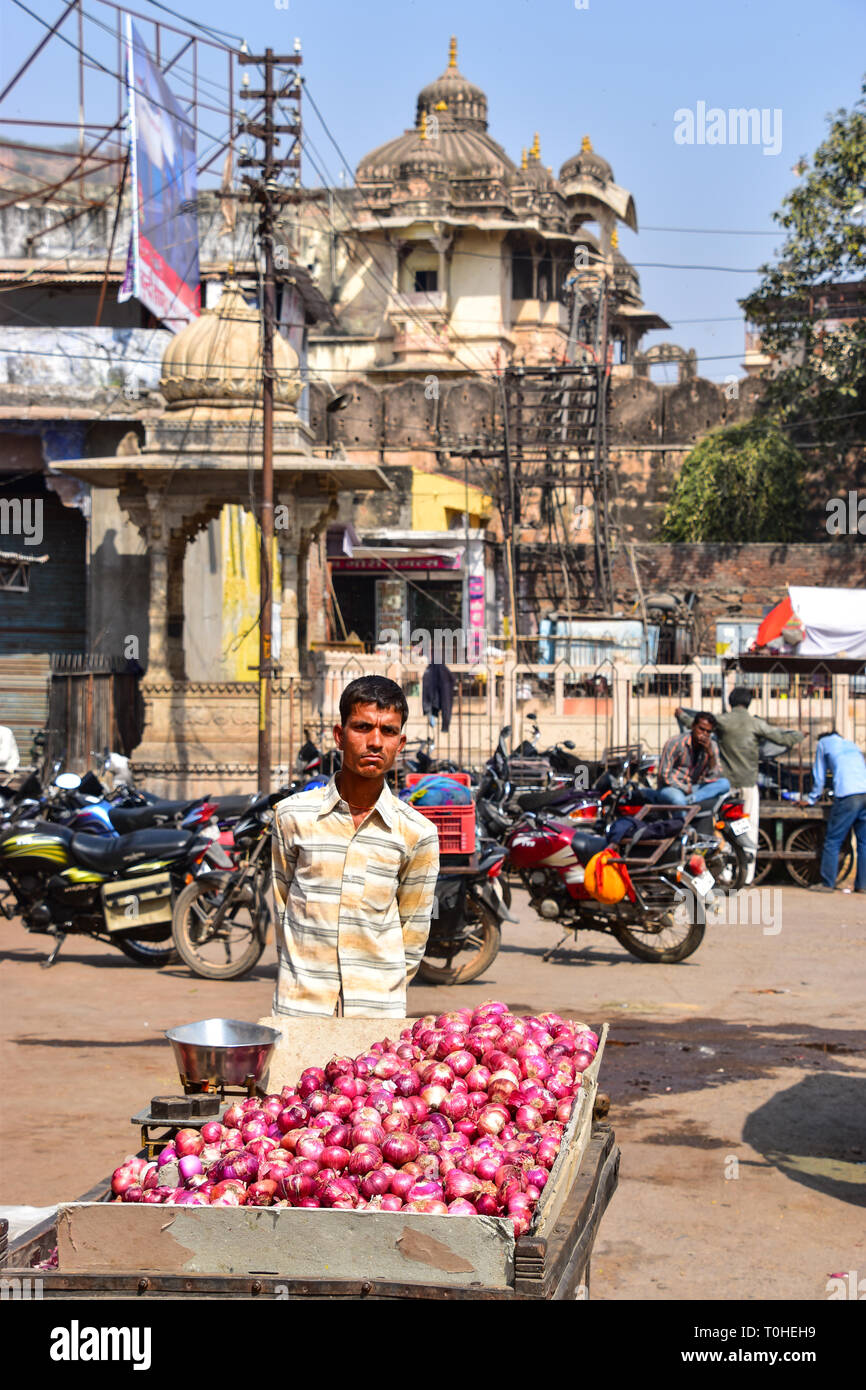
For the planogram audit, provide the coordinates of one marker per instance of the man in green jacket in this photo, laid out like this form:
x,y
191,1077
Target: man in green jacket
x,y
740,735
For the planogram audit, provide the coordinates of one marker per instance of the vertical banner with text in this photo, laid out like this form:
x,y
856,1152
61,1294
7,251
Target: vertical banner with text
x,y
162,266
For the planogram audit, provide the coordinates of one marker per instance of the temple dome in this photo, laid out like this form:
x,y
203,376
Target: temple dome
x,y
464,102
453,113
586,164
217,358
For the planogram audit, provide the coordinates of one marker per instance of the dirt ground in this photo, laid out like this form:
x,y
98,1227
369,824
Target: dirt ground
x,y
737,1083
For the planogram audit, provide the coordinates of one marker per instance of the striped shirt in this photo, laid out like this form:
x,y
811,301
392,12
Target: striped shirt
x,y
354,906
685,764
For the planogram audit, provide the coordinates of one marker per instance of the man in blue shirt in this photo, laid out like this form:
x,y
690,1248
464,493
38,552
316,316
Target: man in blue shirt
x,y
848,766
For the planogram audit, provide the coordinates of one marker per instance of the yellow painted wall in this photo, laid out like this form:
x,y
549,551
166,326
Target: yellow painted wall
x,y
240,549
435,500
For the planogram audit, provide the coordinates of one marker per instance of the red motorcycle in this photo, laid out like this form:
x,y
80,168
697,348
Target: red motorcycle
x,y
662,914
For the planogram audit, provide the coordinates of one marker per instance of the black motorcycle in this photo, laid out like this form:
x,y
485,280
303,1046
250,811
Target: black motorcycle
x,y
116,889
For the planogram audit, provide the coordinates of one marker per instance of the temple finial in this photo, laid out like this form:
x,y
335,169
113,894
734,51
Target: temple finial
x,y
452,52
536,147
524,162
586,145
614,239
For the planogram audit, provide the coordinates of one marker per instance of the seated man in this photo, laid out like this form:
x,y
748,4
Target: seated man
x,y
690,772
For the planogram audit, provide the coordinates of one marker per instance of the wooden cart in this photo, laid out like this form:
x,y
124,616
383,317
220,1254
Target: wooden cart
x,y
114,1250
793,835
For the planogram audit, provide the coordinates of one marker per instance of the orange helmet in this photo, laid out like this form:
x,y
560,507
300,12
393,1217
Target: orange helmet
x,y
606,877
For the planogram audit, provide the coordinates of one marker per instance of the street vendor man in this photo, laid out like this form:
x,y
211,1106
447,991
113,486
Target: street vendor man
x,y
690,772
354,872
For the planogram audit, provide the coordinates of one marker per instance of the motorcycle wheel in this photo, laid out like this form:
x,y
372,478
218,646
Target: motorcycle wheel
x,y
672,942
486,940
733,865
226,957
152,954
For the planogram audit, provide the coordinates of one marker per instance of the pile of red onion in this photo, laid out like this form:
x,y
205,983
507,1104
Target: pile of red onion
x,y
462,1116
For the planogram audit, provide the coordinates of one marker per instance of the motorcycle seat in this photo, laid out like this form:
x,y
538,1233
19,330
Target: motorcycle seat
x,y
232,807
532,801
105,855
127,819
585,845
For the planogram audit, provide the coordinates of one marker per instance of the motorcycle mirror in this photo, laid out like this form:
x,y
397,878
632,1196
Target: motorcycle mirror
x,y
67,781
569,743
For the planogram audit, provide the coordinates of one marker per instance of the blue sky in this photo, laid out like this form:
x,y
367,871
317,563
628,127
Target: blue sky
x,y
616,70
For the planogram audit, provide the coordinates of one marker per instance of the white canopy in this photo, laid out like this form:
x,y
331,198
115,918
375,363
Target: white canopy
x,y
834,619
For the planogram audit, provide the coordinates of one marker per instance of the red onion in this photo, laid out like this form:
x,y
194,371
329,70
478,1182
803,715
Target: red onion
x,y
461,1184
213,1132
233,1140
582,1060
375,1184
293,1116
425,1187
309,1147
167,1155
563,1110
486,1167
395,1124
364,1159
188,1141
253,1129
497,1060
387,1066
492,1119
400,1148
400,1184
313,1079
339,1135
460,1207
527,1117
408,1083
367,1134
318,1101
455,1106
262,1147
334,1156
338,1066
547,1152
431,1206
390,1202
233,1117
433,1096
261,1194
190,1166
428,1165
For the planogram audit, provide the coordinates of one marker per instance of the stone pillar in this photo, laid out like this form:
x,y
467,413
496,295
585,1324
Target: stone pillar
x,y
289,604
157,540
174,616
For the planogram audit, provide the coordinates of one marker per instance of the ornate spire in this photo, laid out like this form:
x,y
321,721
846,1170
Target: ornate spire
x,y
452,52
586,145
523,159
614,239
535,151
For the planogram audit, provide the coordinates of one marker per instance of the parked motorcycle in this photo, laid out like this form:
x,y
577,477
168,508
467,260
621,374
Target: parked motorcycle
x,y
222,919
663,875
117,889
466,926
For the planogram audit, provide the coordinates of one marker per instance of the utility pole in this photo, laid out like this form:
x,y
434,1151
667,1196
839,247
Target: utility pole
x,y
265,190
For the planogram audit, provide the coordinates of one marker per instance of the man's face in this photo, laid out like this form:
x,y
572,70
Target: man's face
x,y
370,740
702,733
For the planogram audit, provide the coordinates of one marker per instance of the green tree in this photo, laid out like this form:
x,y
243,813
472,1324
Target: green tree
x,y
741,483
817,385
